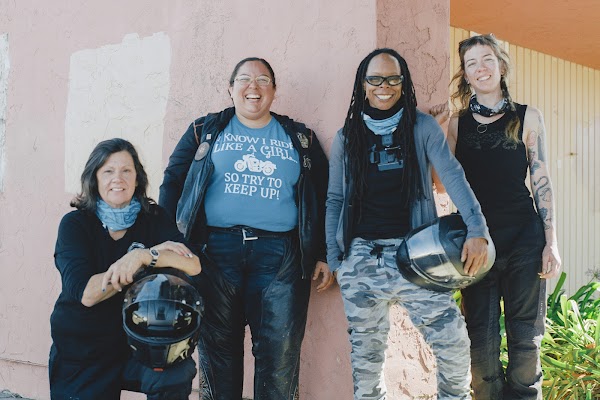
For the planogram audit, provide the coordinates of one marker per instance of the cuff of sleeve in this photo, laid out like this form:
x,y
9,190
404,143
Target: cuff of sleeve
x,y
479,233
334,265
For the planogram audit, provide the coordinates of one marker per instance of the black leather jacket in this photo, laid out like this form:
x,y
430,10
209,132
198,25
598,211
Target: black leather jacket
x,y
190,168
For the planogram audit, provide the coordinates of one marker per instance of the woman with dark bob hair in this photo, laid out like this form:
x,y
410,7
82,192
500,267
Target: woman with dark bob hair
x,y
115,232
249,186
380,187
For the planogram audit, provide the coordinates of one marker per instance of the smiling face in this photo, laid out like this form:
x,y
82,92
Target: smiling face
x,y
384,96
253,101
117,179
482,69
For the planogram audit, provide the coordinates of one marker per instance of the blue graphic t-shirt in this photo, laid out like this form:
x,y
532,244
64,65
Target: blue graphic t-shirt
x,y
254,180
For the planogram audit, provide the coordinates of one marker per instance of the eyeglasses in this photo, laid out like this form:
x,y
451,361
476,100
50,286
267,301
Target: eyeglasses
x,y
479,39
246,80
393,80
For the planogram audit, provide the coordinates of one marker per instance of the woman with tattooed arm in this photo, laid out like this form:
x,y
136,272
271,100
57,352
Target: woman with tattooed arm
x,y
498,142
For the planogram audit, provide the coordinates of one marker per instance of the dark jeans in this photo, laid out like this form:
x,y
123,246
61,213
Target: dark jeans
x,y
105,378
258,282
514,277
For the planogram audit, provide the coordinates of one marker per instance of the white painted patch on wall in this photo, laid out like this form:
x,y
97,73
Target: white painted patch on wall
x,y
121,91
4,68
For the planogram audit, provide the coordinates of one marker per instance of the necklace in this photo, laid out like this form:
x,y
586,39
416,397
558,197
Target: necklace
x,y
482,128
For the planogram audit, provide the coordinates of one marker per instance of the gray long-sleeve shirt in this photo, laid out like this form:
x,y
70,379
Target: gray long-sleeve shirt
x,y
432,150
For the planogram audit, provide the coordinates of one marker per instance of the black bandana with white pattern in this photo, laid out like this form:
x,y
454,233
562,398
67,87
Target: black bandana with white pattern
x,y
480,109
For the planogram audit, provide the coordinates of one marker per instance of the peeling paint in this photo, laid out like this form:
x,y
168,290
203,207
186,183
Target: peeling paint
x,y
118,91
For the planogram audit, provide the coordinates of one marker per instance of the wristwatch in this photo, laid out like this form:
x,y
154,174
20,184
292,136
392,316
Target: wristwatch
x,y
154,253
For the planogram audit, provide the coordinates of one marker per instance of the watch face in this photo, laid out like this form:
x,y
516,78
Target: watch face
x,y
154,253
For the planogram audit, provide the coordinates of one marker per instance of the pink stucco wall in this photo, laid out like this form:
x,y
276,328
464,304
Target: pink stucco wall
x,y
314,48
419,31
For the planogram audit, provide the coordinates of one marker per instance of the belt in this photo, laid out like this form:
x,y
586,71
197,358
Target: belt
x,y
249,233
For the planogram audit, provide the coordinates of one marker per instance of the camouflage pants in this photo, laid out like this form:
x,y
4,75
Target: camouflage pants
x,y
370,284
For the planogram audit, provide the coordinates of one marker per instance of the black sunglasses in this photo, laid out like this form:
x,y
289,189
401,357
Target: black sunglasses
x,y
393,80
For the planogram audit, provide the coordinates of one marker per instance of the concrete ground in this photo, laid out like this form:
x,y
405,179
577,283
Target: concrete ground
x,y
5,394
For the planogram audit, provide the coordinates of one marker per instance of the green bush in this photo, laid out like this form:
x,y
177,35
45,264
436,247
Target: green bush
x,y
570,351
570,347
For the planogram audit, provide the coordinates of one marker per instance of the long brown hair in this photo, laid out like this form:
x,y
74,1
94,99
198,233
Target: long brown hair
x,y
463,92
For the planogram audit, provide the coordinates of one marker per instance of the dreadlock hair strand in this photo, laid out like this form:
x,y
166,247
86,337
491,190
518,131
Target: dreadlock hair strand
x,y
355,132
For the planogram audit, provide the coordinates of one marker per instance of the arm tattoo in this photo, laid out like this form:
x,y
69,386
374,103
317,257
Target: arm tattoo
x,y
535,147
542,194
543,212
542,189
540,140
534,163
540,181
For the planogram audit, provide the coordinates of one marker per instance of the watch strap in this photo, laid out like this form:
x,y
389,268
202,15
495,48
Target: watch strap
x,y
154,253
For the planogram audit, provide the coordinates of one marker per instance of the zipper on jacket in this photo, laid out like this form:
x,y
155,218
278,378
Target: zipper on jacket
x,y
199,200
306,165
299,200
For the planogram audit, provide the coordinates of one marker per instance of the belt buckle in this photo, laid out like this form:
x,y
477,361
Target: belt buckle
x,y
246,237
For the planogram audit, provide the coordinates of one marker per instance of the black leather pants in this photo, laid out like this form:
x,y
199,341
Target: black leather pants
x,y
514,278
104,378
258,282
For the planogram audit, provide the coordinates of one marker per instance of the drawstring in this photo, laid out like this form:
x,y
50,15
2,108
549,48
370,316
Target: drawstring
x,y
378,250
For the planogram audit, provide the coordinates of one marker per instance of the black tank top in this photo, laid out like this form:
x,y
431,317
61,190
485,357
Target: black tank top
x,y
496,168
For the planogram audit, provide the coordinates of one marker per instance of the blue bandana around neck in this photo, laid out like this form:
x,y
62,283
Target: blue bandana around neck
x,y
117,219
383,126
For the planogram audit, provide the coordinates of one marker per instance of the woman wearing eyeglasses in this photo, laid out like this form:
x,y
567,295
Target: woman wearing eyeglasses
x,y
249,186
498,141
380,187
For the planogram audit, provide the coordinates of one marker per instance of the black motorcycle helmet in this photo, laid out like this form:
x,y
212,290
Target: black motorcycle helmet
x,y
429,256
161,317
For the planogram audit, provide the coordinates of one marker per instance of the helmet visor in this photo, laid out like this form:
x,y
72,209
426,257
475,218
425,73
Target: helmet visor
x,y
430,260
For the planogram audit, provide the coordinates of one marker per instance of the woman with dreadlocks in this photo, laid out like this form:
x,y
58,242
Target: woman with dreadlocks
x,y
497,141
379,189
